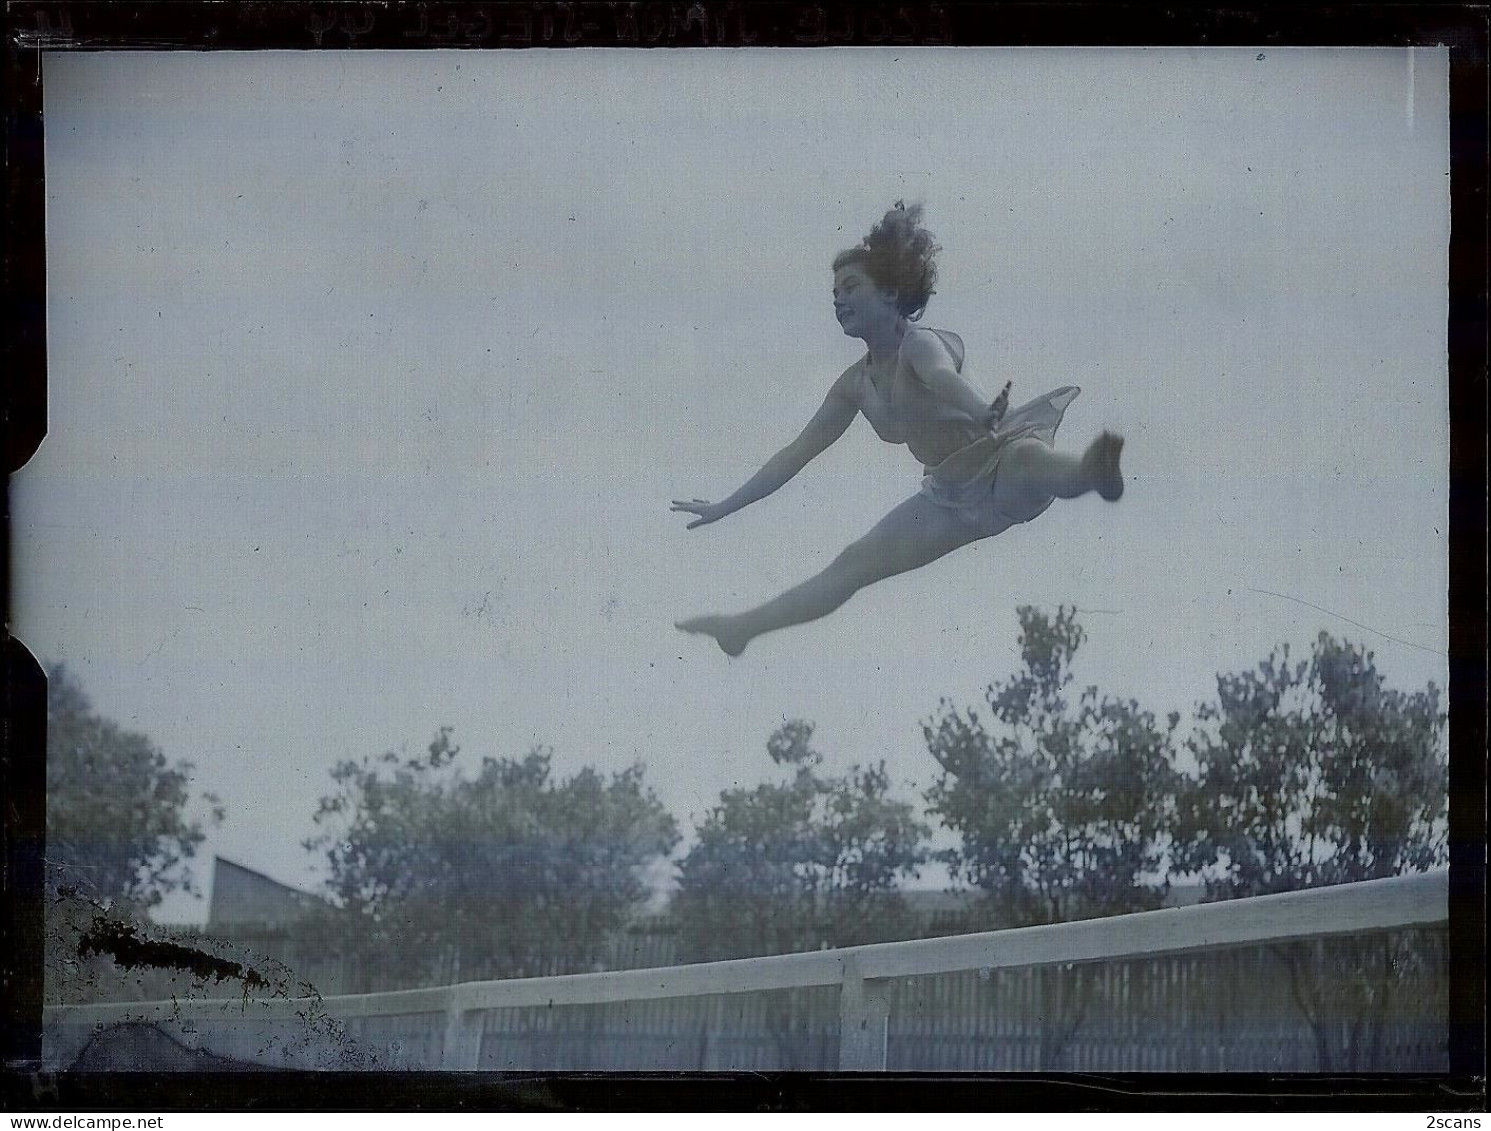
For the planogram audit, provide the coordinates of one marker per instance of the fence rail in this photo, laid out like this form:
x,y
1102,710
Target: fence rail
x,y
863,974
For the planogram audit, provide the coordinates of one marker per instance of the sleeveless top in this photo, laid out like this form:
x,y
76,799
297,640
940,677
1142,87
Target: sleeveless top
x,y
908,412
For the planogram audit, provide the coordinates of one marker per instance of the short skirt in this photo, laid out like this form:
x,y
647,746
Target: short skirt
x,y
964,482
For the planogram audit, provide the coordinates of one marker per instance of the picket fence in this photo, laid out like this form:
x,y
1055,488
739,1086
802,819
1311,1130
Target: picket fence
x,y
1347,978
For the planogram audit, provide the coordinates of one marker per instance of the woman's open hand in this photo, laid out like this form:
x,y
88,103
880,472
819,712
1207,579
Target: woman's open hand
x,y
707,512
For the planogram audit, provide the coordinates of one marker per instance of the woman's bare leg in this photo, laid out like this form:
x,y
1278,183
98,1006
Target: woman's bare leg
x,y
915,533
1031,472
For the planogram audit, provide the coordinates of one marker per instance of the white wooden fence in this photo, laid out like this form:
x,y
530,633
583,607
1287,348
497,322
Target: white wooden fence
x,y
863,975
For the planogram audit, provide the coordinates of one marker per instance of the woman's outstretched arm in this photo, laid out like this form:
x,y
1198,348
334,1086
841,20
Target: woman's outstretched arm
x,y
829,423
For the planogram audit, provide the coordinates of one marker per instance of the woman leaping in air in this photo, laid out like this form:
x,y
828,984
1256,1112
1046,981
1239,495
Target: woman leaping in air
x,y
986,469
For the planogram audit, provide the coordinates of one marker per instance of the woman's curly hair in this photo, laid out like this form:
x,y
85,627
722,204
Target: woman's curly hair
x,y
900,255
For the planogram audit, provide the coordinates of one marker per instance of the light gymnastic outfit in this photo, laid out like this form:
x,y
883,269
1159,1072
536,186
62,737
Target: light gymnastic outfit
x,y
909,413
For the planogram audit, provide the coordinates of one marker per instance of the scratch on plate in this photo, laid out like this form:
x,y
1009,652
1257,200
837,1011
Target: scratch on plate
x,y
1348,620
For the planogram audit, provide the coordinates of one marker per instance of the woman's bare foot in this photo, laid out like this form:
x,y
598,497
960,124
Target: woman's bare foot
x,y
724,633
1100,465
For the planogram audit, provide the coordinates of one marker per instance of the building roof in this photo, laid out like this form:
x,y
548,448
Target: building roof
x,y
242,897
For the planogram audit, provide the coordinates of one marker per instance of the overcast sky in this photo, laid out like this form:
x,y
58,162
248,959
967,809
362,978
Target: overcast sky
x,y
372,376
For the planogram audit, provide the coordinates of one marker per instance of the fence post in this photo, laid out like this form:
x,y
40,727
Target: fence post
x,y
864,1019
461,1051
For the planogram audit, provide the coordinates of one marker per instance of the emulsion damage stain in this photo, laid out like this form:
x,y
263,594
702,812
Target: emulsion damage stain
x,y
122,943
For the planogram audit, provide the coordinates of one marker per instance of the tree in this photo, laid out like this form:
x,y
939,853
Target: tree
x,y
1062,810
117,829
509,873
811,862
1317,773
804,864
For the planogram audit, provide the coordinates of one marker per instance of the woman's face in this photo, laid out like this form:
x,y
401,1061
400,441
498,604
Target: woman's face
x,y
859,303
